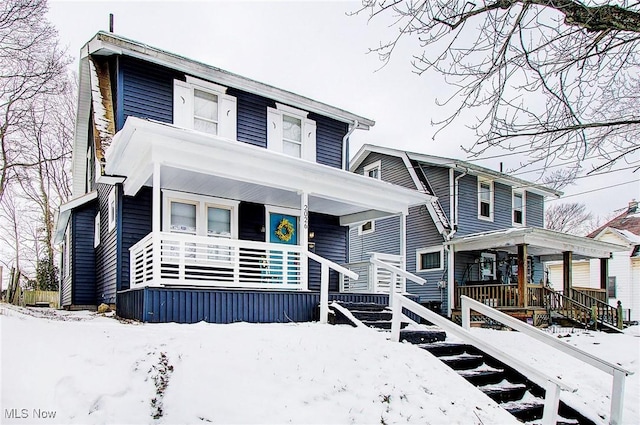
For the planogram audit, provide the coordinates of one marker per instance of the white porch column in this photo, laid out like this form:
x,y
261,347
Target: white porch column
x,y
451,278
156,217
403,248
304,240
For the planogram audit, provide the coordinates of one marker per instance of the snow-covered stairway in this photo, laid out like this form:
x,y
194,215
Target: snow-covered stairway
x,y
509,388
512,390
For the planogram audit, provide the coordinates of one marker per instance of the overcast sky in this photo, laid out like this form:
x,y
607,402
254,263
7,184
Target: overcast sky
x,y
316,50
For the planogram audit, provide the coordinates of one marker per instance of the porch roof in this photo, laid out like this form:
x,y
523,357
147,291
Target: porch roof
x,y
196,162
540,242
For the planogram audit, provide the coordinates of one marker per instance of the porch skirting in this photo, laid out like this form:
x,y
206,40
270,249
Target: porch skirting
x,y
186,305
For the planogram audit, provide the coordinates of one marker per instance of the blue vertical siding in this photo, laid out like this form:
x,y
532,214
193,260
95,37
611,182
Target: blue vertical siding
x,y
146,90
160,305
135,223
331,243
83,291
329,134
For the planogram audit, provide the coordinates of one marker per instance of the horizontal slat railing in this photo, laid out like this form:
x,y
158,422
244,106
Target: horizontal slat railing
x,y
617,372
178,259
362,284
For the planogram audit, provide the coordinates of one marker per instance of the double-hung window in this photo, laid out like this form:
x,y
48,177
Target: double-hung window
x,y
290,131
204,106
485,199
519,207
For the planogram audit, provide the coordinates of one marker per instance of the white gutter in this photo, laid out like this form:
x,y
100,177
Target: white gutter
x,y
345,142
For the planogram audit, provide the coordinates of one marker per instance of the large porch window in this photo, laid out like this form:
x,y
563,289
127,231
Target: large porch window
x,y
200,215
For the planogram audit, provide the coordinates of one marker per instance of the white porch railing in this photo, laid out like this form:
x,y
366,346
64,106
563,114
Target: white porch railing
x,y
552,385
177,259
373,278
325,265
618,373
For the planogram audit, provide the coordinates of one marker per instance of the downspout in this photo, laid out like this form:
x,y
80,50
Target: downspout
x,y
456,191
345,145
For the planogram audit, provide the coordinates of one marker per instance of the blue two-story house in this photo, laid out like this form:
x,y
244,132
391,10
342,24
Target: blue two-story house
x,y
482,236
199,194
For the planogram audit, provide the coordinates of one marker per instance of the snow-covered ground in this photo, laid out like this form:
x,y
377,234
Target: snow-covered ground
x,y
87,368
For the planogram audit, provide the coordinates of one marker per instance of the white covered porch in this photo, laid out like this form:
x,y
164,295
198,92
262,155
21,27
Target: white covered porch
x,y
173,160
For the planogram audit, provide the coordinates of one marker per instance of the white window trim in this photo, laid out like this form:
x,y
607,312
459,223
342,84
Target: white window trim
x,y
274,130
183,105
491,198
373,166
361,231
492,257
429,250
268,209
96,230
112,213
201,202
524,207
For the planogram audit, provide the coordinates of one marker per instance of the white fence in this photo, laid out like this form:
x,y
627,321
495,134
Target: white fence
x,y
177,259
374,279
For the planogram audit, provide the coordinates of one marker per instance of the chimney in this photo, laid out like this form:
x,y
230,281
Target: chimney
x,y
110,22
633,207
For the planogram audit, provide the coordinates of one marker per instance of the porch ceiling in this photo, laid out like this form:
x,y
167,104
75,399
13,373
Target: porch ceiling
x,y
195,162
540,242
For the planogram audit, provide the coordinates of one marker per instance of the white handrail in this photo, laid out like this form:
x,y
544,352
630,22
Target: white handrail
x,y
551,384
394,272
619,373
325,265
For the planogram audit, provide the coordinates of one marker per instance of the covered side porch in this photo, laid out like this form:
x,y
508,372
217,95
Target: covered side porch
x,y
510,273
226,215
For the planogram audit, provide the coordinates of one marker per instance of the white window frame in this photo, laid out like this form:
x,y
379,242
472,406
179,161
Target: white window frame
x,y
275,136
362,231
67,252
201,202
183,105
490,256
268,209
96,230
112,209
524,207
481,181
374,166
429,250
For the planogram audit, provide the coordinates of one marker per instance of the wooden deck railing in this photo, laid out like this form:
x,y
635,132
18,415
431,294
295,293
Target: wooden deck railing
x,y
600,294
567,307
501,296
605,313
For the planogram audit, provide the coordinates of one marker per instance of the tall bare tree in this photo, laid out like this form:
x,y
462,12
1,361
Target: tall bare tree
x,y
32,66
571,218
557,78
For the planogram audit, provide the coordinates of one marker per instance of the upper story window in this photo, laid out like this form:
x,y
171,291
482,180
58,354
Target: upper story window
x,y
111,209
204,106
374,170
200,215
96,230
519,207
485,199
290,131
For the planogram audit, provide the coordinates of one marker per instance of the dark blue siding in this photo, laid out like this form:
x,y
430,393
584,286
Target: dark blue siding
x,y
159,305
534,210
331,243
83,265
252,117
468,207
251,218
147,90
106,253
329,134
135,224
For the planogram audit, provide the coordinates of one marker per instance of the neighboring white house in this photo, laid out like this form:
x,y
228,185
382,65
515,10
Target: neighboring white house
x,y
624,267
